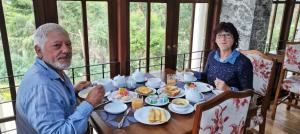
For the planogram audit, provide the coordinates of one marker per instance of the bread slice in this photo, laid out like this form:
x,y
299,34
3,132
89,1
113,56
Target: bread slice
x,y
172,90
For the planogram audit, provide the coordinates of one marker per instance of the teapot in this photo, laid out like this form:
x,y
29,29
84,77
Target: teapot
x,y
138,76
119,81
193,95
130,83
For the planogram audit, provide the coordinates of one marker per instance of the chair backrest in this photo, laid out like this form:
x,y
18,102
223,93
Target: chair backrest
x,y
263,67
292,58
226,113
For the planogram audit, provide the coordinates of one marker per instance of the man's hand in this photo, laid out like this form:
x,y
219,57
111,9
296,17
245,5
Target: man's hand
x,y
220,84
95,96
81,85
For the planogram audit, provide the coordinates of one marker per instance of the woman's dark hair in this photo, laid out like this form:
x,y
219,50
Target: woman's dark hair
x,y
228,27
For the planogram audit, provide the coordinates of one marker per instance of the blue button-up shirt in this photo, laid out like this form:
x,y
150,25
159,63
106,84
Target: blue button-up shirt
x,y
46,103
229,59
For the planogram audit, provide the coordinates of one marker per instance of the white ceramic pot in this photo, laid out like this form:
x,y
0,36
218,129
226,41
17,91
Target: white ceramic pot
x,y
193,95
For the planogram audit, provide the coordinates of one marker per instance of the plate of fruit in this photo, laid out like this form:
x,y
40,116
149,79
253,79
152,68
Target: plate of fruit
x,y
200,86
123,95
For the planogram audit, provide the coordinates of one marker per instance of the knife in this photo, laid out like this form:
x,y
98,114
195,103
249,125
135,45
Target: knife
x,y
124,116
99,105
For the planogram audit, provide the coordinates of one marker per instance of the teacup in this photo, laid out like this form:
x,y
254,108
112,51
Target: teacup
x,y
106,83
153,82
188,76
119,81
138,76
179,104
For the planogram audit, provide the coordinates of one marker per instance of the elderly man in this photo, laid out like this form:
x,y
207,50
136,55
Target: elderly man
x,y
46,101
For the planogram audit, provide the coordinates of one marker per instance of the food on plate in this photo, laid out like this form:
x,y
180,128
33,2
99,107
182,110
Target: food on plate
x,y
180,102
151,115
172,90
171,82
191,85
144,90
122,94
156,115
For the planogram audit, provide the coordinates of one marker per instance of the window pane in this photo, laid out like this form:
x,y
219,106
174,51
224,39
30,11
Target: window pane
x,y
276,27
157,35
97,18
293,23
20,27
138,15
8,127
200,24
184,33
69,16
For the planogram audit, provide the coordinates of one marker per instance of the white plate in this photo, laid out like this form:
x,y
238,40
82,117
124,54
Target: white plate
x,y
162,84
153,91
115,107
201,87
141,115
84,92
147,100
188,110
131,95
181,94
194,79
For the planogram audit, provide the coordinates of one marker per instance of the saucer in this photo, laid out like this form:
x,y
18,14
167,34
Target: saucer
x,y
188,110
162,84
115,107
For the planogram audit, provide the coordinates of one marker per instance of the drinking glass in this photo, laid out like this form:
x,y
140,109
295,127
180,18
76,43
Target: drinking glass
x,y
137,102
171,79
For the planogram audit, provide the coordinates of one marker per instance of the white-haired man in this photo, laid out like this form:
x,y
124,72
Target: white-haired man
x,y
46,101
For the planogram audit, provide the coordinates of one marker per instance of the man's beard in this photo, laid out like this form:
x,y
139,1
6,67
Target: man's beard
x,y
60,66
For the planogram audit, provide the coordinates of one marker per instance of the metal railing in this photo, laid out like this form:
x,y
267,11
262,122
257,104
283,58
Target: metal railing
x,y
183,61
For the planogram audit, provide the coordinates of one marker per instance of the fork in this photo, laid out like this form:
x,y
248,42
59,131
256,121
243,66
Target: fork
x,y
124,116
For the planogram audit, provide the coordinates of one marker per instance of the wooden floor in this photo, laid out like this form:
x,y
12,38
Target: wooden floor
x,y
286,122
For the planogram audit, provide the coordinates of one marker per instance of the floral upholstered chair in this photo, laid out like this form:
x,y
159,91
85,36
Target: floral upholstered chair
x,y
263,77
226,113
289,83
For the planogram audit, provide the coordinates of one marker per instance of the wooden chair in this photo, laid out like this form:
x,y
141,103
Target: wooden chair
x,y
263,77
226,113
290,83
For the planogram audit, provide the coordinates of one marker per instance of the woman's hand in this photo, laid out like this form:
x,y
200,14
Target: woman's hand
x,y
81,85
220,84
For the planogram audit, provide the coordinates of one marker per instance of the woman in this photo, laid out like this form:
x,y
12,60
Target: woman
x,y
226,68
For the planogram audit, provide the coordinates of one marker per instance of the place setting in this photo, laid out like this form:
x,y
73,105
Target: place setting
x,y
181,106
106,83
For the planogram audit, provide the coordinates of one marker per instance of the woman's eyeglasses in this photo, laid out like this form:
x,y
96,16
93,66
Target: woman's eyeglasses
x,y
225,35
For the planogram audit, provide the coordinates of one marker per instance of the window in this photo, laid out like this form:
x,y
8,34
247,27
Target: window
x,y
191,36
19,23
147,37
87,24
294,33
150,39
275,25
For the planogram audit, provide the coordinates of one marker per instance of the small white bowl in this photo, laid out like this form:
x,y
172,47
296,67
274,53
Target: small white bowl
x,y
180,104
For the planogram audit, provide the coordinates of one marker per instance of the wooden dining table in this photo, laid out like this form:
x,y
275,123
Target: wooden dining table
x,y
177,124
